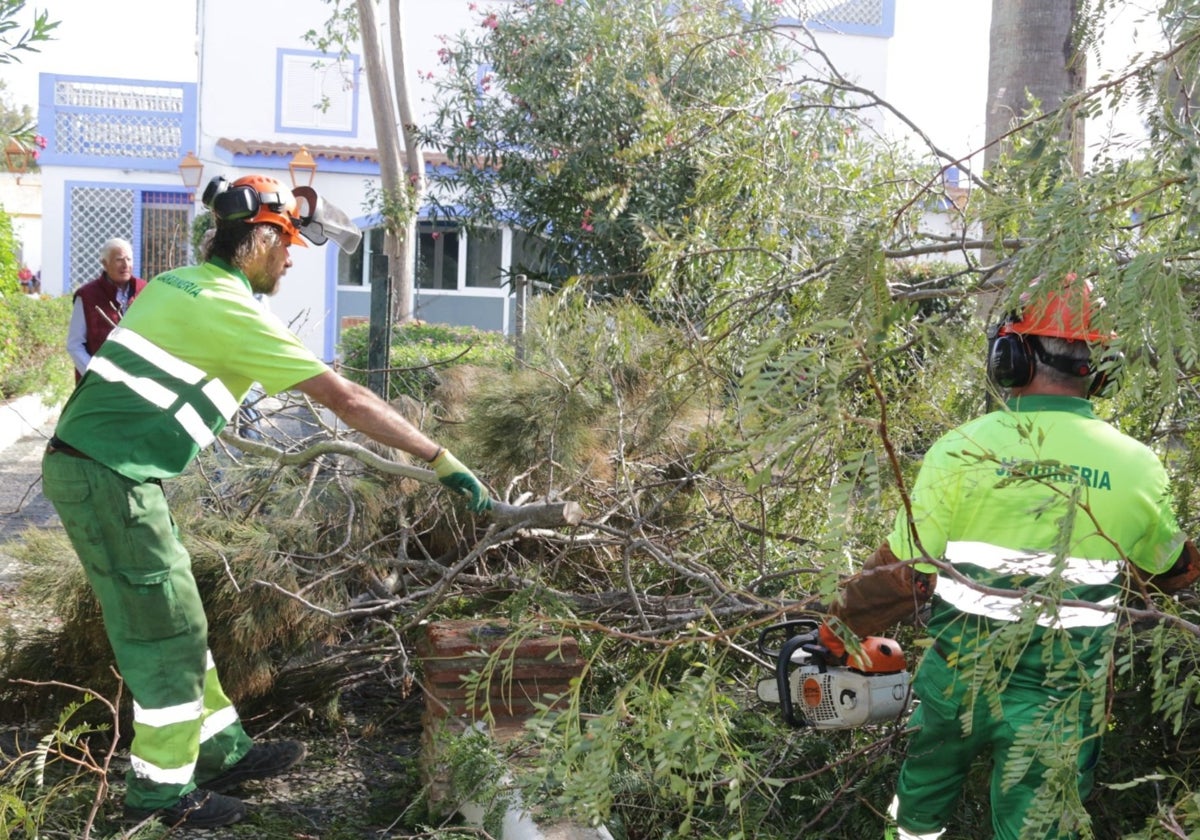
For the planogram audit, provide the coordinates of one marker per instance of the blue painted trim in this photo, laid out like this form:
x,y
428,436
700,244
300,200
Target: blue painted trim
x,y
334,320
281,128
48,123
135,235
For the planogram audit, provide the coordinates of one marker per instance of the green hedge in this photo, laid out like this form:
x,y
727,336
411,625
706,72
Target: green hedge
x,y
33,352
418,351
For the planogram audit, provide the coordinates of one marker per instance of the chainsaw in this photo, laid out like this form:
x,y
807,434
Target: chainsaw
x,y
814,688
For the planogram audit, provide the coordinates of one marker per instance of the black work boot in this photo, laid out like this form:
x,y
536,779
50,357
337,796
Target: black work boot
x,y
198,809
262,762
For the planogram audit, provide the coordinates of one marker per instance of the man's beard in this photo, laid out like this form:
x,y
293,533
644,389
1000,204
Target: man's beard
x,y
264,284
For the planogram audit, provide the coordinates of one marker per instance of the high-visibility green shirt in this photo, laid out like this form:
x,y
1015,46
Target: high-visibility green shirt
x,y
1045,498
172,374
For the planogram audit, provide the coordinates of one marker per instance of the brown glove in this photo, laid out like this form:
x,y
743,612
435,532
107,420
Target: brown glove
x,y
1183,574
887,591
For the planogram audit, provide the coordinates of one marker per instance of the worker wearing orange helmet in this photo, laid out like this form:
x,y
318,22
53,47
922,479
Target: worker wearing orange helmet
x,y
160,389
1023,524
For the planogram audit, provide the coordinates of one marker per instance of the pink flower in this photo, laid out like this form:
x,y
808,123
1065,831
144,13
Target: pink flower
x,y
555,153
40,141
491,22
586,224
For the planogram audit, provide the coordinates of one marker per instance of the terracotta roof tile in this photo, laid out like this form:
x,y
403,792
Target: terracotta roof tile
x,y
355,154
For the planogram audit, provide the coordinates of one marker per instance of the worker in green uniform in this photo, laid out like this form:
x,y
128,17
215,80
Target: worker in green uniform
x,y
160,389
1023,526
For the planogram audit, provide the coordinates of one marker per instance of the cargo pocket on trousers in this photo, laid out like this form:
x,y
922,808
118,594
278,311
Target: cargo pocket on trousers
x,y
71,498
151,607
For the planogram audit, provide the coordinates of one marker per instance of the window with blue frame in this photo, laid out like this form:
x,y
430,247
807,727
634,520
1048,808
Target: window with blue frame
x,y
439,250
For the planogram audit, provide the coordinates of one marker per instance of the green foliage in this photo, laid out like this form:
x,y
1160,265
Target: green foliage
x,y
477,775
16,121
419,351
60,779
33,358
13,41
16,39
201,224
595,121
743,436
9,265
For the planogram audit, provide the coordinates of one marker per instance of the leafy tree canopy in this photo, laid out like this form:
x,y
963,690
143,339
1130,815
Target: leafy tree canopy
x,y
16,39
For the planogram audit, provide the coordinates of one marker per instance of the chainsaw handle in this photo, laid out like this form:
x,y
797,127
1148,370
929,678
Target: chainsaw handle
x,y
794,627
783,678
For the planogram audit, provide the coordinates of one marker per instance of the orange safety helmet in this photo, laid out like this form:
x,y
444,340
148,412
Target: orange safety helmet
x,y
1063,313
256,199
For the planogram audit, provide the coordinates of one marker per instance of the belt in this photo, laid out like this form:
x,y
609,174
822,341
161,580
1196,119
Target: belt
x,y
57,445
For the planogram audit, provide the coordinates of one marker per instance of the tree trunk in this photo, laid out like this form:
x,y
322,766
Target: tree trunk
x,y
1033,52
397,238
403,280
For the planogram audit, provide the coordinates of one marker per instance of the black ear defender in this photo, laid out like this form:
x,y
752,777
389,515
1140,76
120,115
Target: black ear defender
x,y
1010,360
1013,358
230,203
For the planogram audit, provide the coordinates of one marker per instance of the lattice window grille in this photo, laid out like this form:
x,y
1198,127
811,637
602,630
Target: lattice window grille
x,y
97,215
835,12
125,135
118,97
166,229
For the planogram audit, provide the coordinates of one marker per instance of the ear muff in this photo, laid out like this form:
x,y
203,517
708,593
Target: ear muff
x,y
230,203
1011,361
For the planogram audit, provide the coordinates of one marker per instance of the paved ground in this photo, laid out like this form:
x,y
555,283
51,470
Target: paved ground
x,y
22,504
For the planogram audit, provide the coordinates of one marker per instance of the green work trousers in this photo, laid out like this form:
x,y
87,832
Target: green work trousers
x,y
941,751
185,729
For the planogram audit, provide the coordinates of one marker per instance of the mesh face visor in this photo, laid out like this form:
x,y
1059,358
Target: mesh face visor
x,y
321,221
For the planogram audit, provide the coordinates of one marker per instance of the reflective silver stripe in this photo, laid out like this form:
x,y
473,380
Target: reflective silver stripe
x,y
164,398
181,713
218,720
194,425
903,833
147,388
162,775
214,389
156,356
1009,561
1008,608
219,396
